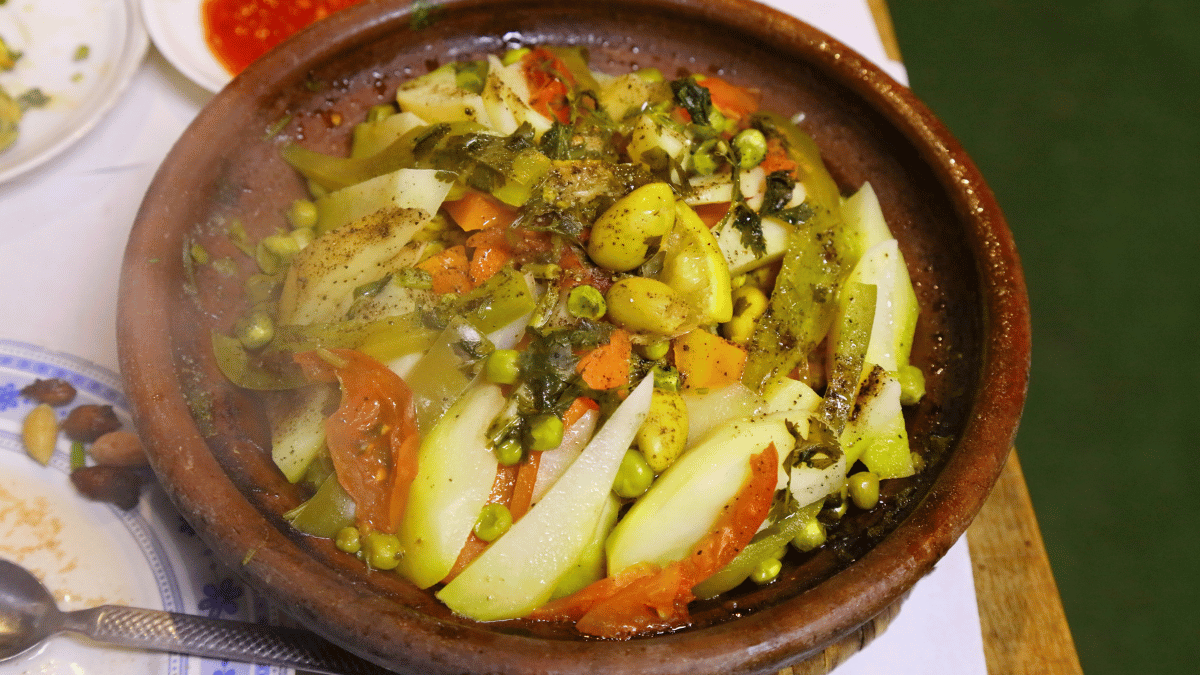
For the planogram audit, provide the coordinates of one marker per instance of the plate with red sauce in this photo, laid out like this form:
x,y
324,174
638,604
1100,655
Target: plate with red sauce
x,y
210,41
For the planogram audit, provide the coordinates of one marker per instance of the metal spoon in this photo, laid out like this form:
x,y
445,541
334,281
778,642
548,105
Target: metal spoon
x,y
29,615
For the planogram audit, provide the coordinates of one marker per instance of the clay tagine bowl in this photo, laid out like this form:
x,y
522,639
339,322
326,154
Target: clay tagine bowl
x,y
208,440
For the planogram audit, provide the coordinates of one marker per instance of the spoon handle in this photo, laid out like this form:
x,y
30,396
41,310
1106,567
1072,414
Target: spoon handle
x,y
214,638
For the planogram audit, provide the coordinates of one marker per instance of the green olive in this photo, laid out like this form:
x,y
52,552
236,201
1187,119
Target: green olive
x,y
622,236
766,571
509,452
494,520
586,302
633,476
382,551
302,213
503,366
545,432
751,148
864,489
348,540
646,306
749,304
663,433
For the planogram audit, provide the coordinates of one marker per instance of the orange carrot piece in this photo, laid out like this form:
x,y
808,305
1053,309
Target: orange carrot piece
x,y
711,214
707,361
577,409
480,211
487,261
522,495
607,366
450,270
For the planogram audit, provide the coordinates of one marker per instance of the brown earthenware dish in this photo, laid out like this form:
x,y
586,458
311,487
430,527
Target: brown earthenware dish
x,y
208,440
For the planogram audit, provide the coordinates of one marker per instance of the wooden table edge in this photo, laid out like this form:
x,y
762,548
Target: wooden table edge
x,y
1025,630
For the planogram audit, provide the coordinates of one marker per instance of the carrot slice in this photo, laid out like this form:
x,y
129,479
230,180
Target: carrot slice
x,y
707,361
450,270
607,366
480,211
372,437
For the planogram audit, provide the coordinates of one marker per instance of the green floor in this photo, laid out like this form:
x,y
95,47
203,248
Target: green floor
x,y
1085,118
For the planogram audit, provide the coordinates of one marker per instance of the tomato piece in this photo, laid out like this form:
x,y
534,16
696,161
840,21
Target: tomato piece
x,y
730,99
579,603
550,82
372,436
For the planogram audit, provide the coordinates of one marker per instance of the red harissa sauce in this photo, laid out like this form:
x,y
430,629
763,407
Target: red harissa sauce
x,y
240,31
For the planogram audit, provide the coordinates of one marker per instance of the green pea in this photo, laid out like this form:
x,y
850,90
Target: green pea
x,y
545,432
704,160
751,147
509,452
302,213
494,520
348,540
864,489
810,536
655,350
766,571
283,245
256,330
382,551
503,366
633,476
586,302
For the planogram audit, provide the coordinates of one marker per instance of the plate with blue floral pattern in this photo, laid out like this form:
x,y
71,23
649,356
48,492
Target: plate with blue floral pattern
x,y
91,553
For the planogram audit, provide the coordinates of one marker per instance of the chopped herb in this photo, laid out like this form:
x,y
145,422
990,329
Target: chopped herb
x,y
749,223
82,52
693,98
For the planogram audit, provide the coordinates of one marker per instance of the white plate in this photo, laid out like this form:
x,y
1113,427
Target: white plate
x,y
81,92
177,29
88,553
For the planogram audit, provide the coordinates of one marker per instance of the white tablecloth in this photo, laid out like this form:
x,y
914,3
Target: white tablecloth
x,y
62,235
